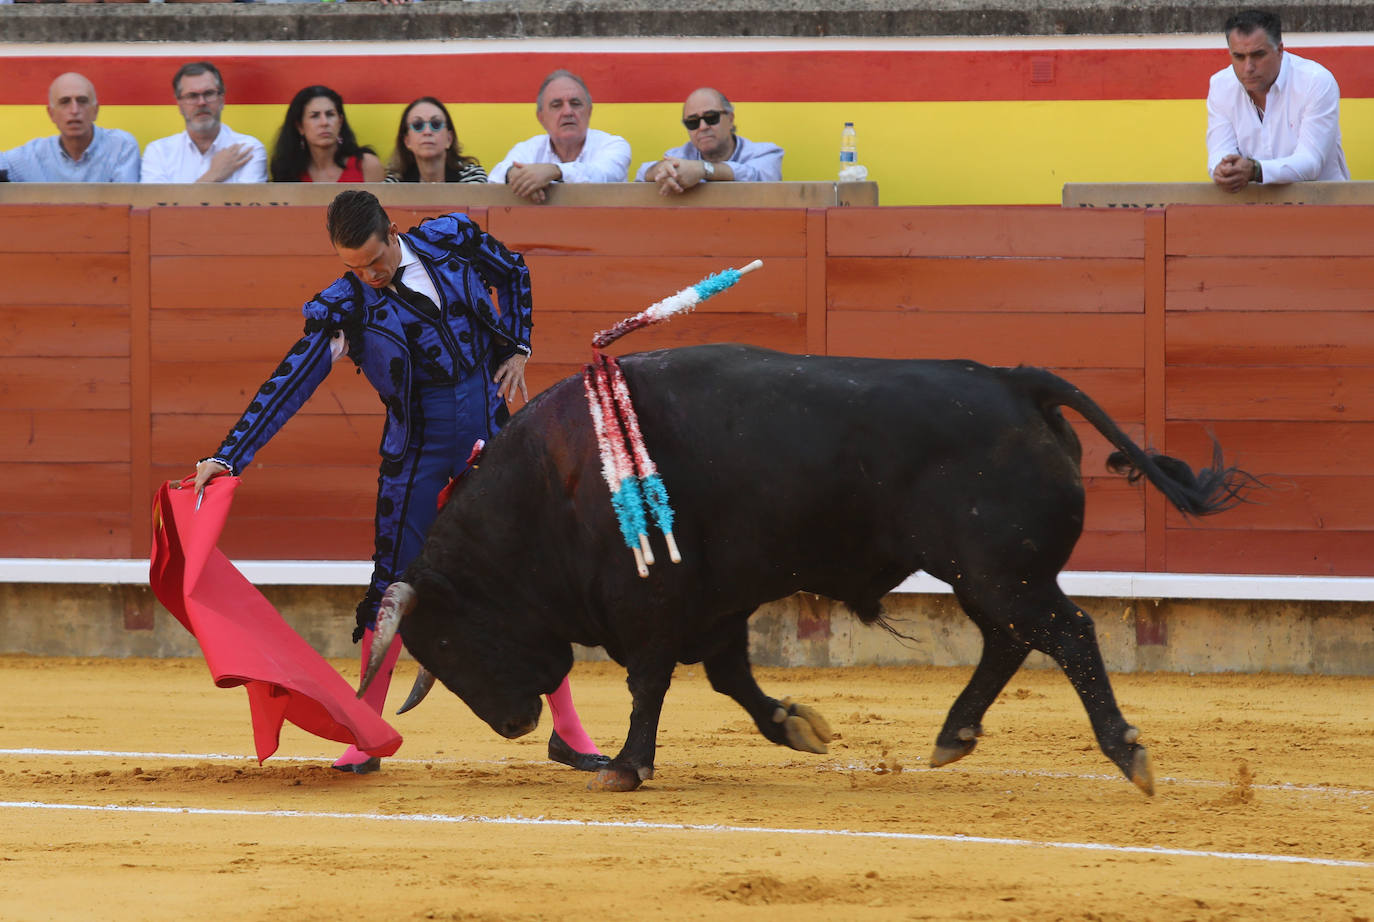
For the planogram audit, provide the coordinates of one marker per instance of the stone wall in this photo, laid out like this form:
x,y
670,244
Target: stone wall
x,y
1136,635
515,19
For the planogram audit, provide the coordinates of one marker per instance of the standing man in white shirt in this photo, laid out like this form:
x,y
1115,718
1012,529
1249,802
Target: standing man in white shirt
x,y
1272,117
570,151
208,150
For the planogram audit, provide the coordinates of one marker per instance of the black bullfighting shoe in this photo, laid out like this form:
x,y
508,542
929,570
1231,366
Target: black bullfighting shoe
x,y
361,768
560,751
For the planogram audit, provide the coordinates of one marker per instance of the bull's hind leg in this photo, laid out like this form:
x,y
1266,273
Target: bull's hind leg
x,y
1065,633
783,722
1002,655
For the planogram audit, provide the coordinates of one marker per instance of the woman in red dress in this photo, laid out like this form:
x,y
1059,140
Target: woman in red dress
x,y
316,144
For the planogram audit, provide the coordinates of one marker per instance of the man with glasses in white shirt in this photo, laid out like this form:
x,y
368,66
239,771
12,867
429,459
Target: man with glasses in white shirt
x,y
1272,117
208,150
713,152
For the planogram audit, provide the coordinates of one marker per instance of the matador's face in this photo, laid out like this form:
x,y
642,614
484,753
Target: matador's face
x,y
376,261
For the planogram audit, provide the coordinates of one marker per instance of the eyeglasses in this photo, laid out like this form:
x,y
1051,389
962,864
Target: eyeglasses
x,y
692,122
207,96
434,124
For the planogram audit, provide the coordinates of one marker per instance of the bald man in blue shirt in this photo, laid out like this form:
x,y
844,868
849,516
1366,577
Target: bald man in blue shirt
x,y
81,151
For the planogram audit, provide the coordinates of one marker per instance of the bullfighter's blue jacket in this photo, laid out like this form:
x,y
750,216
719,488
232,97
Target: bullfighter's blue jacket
x,y
465,264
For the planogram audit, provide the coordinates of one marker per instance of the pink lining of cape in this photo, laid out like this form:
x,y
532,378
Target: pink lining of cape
x,y
244,639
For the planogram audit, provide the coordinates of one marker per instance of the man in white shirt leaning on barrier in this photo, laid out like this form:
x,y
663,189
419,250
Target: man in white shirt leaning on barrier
x,y
1272,117
570,150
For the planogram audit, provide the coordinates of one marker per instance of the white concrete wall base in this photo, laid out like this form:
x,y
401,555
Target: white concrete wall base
x,y
1136,635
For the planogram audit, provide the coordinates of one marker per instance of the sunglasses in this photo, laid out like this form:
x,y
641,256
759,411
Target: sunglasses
x,y
692,122
434,124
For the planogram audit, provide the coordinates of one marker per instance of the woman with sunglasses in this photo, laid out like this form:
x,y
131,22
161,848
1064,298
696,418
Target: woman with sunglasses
x,y
427,148
316,144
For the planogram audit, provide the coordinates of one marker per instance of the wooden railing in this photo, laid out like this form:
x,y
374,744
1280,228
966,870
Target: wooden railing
x,y
133,336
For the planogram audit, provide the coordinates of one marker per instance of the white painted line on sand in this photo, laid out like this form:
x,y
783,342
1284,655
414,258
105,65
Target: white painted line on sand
x,y
444,818
227,757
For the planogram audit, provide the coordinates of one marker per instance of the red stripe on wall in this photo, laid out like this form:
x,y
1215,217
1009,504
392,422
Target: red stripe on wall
x,y
782,76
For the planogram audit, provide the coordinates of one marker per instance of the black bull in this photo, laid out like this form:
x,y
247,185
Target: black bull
x,y
837,476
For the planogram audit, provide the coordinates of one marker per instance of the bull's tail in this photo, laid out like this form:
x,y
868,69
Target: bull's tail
x,y
1211,490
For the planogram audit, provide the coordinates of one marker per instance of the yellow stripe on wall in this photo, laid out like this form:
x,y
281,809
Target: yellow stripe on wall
x,y
919,153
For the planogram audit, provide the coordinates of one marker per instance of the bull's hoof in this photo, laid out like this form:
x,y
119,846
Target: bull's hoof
x,y
614,779
943,755
802,737
1142,774
967,739
806,729
559,751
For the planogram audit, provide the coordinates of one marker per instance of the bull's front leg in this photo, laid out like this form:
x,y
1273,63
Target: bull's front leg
x,y
634,764
783,722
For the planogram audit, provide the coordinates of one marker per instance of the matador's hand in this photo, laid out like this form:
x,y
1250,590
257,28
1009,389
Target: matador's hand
x,y
510,376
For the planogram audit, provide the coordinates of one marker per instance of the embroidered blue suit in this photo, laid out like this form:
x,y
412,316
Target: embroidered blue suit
x,y
432,371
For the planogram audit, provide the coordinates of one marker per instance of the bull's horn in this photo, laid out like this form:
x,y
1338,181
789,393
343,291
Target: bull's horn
x,y
424,681
397,602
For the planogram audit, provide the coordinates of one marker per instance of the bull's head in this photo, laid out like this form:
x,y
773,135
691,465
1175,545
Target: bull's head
x,y
468,647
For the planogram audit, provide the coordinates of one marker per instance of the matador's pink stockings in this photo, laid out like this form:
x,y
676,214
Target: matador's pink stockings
x,y
566,722
354,759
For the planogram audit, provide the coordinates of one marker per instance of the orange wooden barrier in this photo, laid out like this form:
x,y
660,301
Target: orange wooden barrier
x,y
1271,345
132,338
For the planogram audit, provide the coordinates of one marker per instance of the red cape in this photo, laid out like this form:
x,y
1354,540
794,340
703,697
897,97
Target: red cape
x,y
244,639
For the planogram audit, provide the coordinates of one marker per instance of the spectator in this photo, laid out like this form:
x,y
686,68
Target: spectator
x,y
427,148
208,150
713,152
570,151
81,151
1272,117
316,144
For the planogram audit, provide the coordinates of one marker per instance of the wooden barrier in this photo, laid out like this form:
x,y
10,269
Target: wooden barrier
x,y
1163,194
132,338
452,196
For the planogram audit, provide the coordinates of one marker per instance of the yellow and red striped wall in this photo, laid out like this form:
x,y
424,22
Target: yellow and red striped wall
x,y
940,121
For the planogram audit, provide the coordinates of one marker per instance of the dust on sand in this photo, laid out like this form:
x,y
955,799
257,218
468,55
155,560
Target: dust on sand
x,y
1260,779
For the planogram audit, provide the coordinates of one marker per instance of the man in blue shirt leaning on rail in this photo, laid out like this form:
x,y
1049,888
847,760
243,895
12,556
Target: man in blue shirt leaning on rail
x,y
713,152
82,151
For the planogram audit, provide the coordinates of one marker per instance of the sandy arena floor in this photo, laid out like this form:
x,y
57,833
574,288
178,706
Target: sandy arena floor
x,y
129,795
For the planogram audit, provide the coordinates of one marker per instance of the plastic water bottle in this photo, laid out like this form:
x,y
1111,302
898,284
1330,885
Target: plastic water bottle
x,y
850,170
849,148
